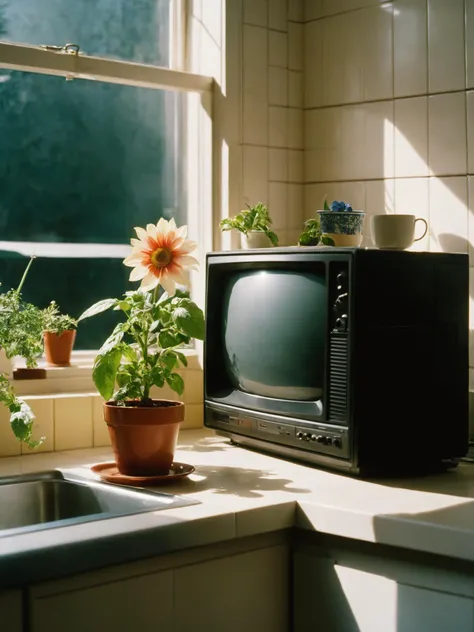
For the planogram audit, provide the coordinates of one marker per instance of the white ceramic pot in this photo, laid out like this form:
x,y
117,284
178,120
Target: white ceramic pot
x,y
254,239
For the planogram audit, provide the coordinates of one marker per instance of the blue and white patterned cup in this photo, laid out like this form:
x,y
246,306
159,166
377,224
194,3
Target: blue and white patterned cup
x,y
345,228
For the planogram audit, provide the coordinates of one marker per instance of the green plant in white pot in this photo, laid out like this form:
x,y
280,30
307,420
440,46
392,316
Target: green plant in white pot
x,y
254,224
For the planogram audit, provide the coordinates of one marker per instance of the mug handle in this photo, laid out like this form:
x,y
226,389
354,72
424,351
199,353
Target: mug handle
x,y
420,219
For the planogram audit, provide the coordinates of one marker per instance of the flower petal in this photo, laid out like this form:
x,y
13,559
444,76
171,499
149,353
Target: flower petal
x,y
187,246
141,234
168,284
186,260
133,259
182,232
171,224
151,231
138,273
161,228
150,281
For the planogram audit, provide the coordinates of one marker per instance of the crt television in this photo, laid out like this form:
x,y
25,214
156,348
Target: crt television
x,y
349,358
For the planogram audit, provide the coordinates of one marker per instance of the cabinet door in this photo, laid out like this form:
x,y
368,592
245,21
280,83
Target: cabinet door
x,y
330,597
143,603
245,592
11,611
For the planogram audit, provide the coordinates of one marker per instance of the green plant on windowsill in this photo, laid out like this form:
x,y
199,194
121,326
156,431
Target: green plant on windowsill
x,y
312,236
55,322
59,335
21,329
254,219
21,325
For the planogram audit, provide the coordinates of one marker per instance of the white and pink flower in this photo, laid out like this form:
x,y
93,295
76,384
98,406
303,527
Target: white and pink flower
x,y
160,256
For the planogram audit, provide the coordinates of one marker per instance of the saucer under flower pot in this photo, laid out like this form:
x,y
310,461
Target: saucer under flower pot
x,y
344,228
144,438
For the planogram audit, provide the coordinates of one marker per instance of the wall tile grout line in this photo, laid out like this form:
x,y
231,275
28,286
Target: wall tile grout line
x,y
387,100
432,176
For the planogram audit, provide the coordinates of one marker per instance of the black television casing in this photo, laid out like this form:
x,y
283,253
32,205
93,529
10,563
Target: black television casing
x,y
395,397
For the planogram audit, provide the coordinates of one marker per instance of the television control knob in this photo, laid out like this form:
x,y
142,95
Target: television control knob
x,y
320,438
307,436
341,323
341,280
299,435
337,442
314,437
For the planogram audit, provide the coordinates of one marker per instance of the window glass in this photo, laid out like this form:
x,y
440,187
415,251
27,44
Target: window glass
x,y
81,164
135,30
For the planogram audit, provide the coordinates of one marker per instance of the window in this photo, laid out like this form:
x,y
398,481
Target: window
x,y
84,160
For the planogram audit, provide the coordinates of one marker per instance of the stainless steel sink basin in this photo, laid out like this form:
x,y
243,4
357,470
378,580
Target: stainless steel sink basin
x,y
54,499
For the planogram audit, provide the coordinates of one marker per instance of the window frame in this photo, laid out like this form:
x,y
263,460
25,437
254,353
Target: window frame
x,y
197,171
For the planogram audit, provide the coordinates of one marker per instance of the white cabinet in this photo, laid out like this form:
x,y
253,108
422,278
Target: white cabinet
x,y
11,611
245,592
236,592
141,603
356,597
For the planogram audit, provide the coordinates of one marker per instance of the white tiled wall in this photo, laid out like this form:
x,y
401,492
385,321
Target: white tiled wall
x,y
70,421
272,111
389,112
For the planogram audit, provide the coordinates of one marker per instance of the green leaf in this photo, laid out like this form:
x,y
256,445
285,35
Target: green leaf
x,y
98,308
21,422
327,241
182,358
169,360
272,237
167,340
123,305
189,318
105,369
129,352
175,382
157,377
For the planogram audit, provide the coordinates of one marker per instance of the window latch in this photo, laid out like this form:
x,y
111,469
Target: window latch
x,y
68,49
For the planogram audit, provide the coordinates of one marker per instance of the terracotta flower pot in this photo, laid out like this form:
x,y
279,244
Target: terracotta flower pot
x,y
144,438
58,347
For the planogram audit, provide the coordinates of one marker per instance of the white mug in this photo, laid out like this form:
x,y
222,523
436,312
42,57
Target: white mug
x,y
395,232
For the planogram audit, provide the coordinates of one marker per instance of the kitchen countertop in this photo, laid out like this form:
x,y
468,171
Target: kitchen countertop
x,y
243,493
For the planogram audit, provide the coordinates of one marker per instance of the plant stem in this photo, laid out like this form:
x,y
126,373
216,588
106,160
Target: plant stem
x,y
146,387
25,273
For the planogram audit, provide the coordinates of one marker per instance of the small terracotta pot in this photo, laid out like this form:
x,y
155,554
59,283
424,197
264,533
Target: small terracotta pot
x,y
58,347
144,438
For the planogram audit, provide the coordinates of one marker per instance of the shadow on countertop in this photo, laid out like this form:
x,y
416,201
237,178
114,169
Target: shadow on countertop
x,y
242,482
456,482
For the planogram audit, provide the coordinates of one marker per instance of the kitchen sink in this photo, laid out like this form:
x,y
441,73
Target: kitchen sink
x,y
31,502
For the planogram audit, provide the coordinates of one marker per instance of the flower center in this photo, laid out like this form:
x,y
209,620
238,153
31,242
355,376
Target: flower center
x,y
161,257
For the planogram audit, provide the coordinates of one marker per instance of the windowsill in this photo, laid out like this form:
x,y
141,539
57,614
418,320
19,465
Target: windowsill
x,y
68,408
76,378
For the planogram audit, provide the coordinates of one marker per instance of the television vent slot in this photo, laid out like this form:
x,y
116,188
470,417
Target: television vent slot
x,y
338,379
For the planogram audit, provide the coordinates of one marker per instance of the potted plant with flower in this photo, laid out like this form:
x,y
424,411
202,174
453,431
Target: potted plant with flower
x,y
341,223
21,330
143,351
254,224
59,335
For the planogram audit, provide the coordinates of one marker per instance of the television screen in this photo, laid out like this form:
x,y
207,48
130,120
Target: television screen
x,y
274,331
